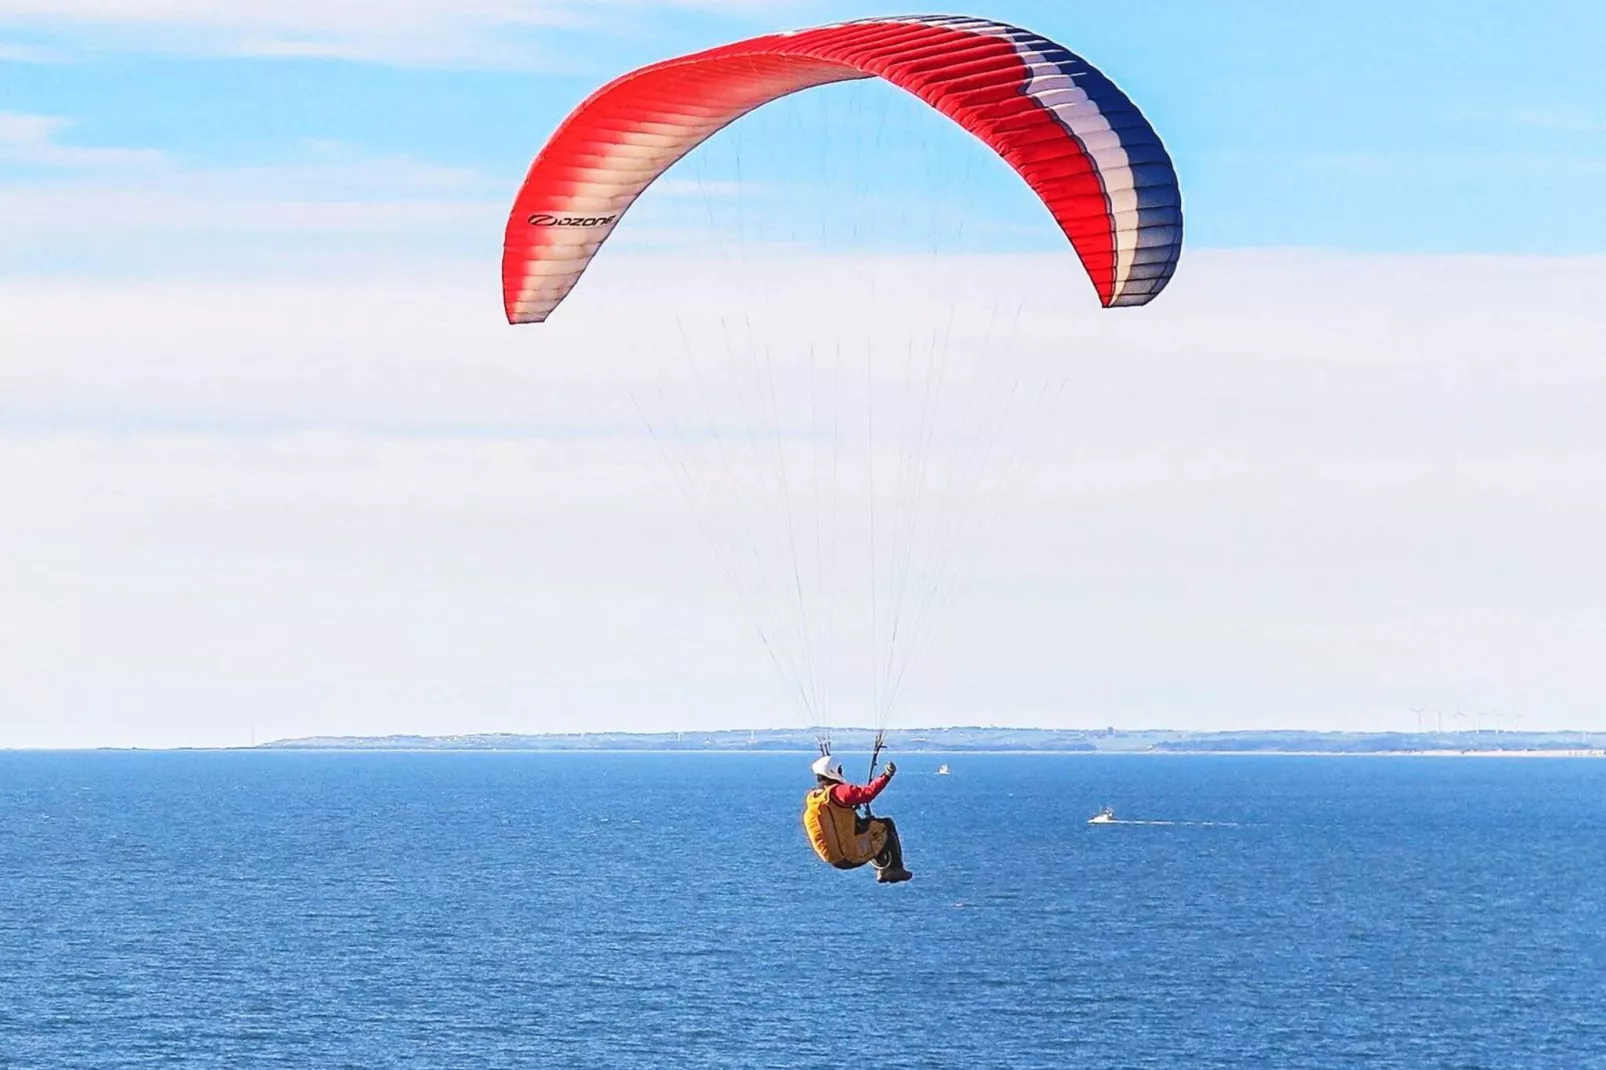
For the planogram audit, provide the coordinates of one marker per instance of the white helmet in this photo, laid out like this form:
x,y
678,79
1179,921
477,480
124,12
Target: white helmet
x,y
830,768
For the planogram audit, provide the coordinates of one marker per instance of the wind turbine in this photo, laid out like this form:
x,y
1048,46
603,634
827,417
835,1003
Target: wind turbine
x,y
1419,713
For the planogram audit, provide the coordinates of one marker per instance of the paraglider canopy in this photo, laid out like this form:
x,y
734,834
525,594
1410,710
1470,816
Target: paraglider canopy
x,y
1077,140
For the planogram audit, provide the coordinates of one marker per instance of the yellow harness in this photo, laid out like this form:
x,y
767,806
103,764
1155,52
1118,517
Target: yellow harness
x,y
834,831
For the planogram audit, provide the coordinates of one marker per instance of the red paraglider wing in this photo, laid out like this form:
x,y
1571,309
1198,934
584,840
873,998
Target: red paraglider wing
x,y
1076,139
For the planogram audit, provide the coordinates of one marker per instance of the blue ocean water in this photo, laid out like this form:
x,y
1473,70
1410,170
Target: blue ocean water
x,y
461,911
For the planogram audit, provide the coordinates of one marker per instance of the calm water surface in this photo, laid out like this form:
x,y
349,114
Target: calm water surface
x,y
460,911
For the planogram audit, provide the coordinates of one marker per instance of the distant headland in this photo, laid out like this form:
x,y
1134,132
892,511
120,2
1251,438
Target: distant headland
x,y
980,740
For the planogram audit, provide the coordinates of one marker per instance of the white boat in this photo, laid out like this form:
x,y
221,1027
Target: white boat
x,y
942,770
1105,816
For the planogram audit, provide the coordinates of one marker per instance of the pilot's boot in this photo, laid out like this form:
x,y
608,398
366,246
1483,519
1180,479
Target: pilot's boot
x,y
889,863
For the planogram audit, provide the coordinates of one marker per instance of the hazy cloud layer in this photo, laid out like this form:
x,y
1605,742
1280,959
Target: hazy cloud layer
x,y
1303,489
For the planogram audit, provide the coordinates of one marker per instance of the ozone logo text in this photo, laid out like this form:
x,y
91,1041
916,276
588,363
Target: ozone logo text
x,y
542,219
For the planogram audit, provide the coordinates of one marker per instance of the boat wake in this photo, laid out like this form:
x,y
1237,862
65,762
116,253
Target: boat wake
x,y
1174,824
1107,816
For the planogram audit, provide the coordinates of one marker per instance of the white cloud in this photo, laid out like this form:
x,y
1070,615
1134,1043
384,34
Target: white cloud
x,y
1301,489
479,31
121,209
145,199
106,212
35,141
13,52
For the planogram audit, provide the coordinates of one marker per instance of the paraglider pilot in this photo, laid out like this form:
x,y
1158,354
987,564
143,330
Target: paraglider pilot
x,y
839,834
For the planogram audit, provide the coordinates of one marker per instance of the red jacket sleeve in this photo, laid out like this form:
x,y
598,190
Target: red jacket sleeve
x,y
853,795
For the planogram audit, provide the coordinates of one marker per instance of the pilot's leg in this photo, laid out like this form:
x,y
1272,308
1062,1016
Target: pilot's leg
x,y
889,862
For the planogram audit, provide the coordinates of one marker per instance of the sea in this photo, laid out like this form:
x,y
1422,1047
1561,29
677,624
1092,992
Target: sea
x,y
457,911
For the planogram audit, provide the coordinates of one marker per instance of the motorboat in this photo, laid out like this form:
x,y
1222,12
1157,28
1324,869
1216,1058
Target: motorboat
x,y
1105,816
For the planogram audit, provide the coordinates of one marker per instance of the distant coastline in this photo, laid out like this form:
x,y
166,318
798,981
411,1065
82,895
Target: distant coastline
x,y
982,740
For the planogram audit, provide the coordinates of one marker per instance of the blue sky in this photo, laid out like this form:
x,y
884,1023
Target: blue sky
x,y
1429,127
273,463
